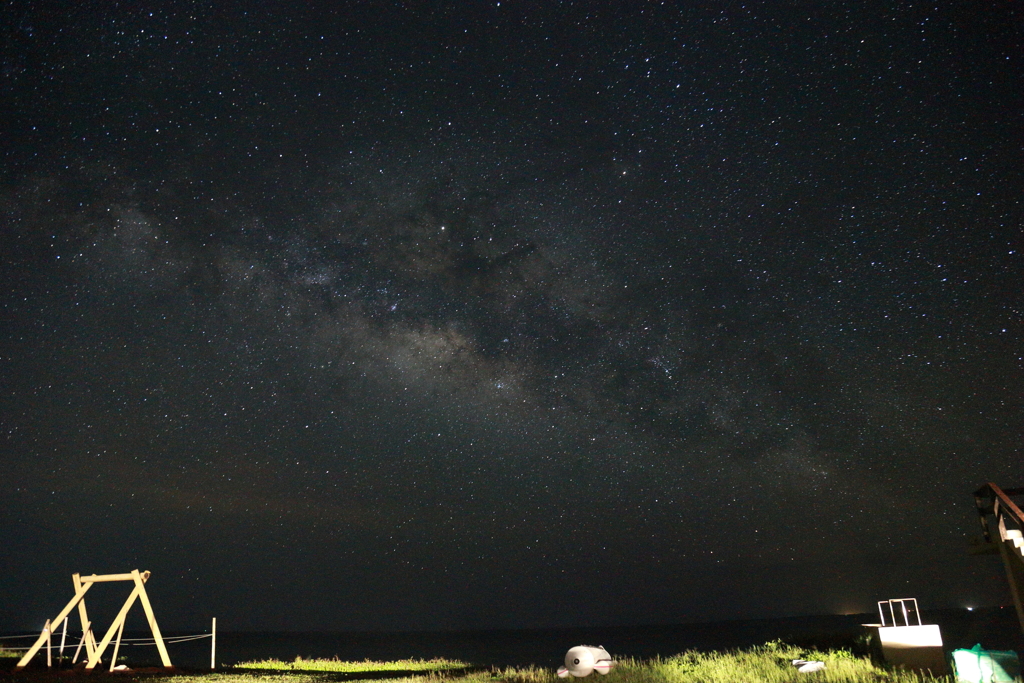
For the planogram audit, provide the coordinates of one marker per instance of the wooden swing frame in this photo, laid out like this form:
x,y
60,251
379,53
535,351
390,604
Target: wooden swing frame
x,y
93,651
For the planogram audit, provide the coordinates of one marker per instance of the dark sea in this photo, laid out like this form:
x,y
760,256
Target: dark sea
x,y
994,628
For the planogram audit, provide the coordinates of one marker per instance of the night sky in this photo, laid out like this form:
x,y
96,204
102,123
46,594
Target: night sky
x,y
424,315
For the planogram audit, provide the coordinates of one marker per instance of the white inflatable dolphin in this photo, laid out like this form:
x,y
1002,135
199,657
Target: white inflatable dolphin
x,y
583,660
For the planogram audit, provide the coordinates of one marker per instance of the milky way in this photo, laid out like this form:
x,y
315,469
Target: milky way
x,y
457,320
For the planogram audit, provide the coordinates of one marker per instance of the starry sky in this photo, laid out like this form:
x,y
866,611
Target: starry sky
x,y
478,314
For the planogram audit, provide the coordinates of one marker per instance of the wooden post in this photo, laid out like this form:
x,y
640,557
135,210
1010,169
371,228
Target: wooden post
x,y
213,644
83,615
117,647
49,645
63,637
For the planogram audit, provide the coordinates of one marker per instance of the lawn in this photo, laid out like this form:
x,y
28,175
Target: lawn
x,y
768,663
337,665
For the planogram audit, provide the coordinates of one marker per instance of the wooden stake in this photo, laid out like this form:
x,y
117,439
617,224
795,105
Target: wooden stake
x,y
117,648
213,644
63,637
49,645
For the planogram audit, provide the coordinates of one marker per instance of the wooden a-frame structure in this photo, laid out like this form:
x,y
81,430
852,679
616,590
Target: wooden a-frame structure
x,y
93,651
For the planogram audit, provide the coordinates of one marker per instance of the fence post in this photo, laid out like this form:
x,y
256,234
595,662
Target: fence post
x,y
213,644
63,636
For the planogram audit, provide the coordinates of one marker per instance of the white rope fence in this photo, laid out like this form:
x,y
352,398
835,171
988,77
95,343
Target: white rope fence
x,y
132,641
135,642
30,635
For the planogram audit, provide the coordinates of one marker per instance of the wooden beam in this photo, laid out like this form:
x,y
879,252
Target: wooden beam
x,y
103,578
78,650
83,615
140,580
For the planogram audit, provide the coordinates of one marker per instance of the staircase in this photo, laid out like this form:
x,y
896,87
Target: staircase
x,y
1013,537
993,501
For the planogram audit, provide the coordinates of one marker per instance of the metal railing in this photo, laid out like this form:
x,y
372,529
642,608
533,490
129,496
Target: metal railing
x,y
904,609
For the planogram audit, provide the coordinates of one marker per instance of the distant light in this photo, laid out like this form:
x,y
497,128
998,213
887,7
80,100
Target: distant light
x,y
970,609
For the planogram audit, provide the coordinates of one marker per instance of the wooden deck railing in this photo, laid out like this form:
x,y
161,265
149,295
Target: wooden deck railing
x,y
997,502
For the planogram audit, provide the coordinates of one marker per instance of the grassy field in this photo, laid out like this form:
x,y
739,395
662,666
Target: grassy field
x,y
8,658
336,665
769,663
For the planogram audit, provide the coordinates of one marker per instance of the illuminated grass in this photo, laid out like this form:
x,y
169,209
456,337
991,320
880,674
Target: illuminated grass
x,y
286,678
43,676
528,674
366,666
768,663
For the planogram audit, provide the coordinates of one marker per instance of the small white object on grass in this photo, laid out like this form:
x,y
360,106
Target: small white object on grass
x,y
805,667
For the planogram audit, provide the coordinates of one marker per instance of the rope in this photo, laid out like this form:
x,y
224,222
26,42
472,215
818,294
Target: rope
x,y
132,641
174,639
182,639
168,639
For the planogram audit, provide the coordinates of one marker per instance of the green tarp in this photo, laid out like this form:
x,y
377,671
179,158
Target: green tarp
x,y
986,666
